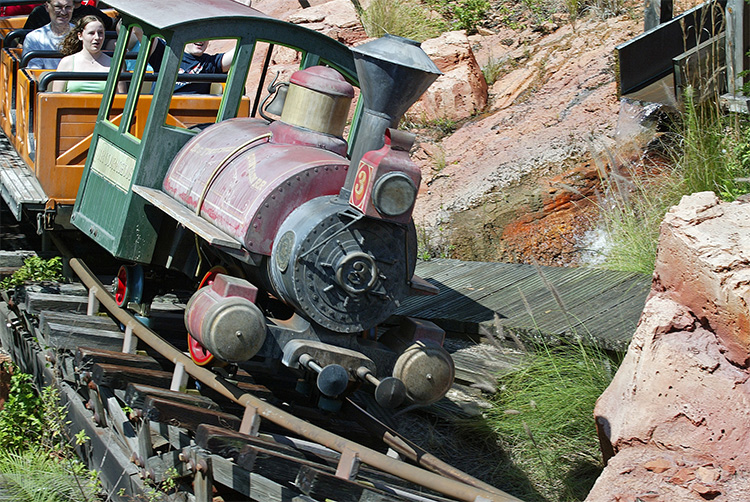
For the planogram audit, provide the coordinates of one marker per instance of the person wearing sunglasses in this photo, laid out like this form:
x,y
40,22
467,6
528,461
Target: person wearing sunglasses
x,y
40,16
49,36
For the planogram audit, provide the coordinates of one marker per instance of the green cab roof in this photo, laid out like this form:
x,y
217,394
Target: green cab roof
x,y
166,15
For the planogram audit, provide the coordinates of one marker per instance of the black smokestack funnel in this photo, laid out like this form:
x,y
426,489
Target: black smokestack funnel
x,y
393,73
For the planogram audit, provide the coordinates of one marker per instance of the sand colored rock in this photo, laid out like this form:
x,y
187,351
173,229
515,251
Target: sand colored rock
x,y
704,263
676,416
462,90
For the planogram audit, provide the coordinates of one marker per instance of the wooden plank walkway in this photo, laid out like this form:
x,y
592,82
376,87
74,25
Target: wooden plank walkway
x,y
532,302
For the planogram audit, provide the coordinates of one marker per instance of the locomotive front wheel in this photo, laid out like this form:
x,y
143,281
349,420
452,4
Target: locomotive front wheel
x,y
198,353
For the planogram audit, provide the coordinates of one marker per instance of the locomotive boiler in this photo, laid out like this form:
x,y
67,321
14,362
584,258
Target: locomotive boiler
x,y
304,242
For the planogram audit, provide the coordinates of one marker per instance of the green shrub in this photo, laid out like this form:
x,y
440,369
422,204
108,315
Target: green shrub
x,y
469,13
462,14
22,417
34,269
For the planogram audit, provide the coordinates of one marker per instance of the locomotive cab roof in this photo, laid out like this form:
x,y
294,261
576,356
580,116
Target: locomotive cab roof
x,y
171,15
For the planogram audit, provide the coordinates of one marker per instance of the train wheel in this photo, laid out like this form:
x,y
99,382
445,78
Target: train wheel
x,y
198,353
129,285
210,276
121,286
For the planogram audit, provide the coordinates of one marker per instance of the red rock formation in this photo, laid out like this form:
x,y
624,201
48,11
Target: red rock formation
x,y
677,414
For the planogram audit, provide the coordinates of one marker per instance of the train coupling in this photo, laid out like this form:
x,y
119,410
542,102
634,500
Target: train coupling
x,y
45,220
337,368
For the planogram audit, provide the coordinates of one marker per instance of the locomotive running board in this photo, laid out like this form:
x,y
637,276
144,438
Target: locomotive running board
x,y
20,188
184,216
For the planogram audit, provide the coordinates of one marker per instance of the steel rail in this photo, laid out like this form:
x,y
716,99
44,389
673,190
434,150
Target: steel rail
x,y
408,472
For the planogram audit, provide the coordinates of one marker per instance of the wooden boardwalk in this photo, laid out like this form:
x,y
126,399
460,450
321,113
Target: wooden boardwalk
x,y
550,303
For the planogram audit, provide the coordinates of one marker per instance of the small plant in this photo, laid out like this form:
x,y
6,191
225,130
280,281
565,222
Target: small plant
x,y
34,269
574,8
492,70
438,159
605,8
157,491
431,244
540,9
444,126
543,414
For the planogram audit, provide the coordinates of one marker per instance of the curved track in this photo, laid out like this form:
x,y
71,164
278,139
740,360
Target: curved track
x,y
261,451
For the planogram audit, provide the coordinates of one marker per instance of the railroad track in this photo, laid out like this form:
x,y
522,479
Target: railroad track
x,y
235,440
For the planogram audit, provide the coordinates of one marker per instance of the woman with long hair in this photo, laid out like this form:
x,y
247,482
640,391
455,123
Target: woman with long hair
x,y
83,52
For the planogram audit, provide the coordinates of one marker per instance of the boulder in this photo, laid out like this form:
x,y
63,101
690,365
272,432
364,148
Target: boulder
x,y
461,91
675,421
703,263
336,18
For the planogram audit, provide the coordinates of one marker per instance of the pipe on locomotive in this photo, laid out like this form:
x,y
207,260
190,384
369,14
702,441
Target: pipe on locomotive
x,y
393,73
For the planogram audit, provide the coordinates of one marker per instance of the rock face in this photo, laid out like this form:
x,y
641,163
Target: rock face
x,y
461,91
703,263
554,94
676,417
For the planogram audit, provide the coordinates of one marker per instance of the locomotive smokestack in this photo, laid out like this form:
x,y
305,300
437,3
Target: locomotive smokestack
x,y
393,73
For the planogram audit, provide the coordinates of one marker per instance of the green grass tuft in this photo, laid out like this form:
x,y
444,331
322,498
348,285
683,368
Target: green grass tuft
x,y
543,415
34,475
408,18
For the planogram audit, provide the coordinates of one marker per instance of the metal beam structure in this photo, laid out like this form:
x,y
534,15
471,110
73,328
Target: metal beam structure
x,y
648,57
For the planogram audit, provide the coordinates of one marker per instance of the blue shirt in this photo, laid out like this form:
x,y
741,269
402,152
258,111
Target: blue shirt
x,y
43,39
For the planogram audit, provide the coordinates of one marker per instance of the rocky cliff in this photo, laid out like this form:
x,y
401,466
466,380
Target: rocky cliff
x,y
675,422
